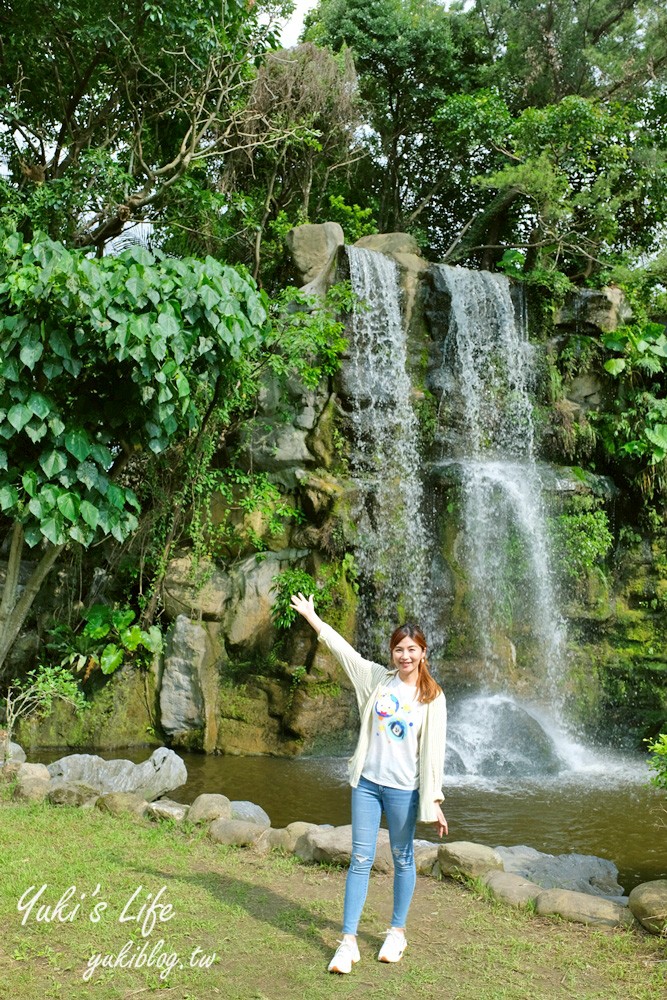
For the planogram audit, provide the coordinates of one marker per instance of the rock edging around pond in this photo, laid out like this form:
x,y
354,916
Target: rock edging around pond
x,y
245,824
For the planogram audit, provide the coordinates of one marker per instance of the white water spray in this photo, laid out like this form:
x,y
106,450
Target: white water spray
x,y
489,369
391,549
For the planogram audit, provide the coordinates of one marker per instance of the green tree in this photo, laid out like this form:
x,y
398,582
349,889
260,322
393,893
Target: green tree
x,y
504,124
409,54
578,185
101,359
309,96
35,696
106,105
541,51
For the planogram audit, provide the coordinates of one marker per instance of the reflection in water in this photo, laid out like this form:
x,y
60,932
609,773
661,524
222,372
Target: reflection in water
x,y
615,816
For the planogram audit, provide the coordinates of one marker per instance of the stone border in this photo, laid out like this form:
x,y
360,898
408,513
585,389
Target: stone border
x,y
245,824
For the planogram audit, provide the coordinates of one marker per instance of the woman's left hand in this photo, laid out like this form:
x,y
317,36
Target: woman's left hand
x,y
440,821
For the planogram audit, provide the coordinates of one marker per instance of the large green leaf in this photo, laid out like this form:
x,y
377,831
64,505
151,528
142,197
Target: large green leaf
x,y
111,659
57,426
169,325
52,528
131,637
77,444
39,405
136,286
8,497
36,431
31,352
116,496
102,455
82,535
68,505
19,415
30,482
615,366
60,344
658,435
88,474
37,507
152,639
89,513
52,462
9,369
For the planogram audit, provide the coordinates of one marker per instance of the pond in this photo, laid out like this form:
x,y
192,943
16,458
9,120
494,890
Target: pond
x,y
608,811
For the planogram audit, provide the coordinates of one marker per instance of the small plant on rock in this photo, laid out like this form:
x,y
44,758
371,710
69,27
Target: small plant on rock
x,y
34,696
108,639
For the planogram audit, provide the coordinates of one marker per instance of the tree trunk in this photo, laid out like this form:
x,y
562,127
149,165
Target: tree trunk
x,y
14,613
12,575
475,237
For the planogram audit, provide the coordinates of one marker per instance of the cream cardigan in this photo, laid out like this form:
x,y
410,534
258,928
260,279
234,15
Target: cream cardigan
x,y
367,678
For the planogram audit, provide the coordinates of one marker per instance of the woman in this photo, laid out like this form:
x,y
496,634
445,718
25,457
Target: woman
x,y
396,768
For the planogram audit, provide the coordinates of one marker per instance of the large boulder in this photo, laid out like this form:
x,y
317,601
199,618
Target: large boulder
x,y
512,889
34,771
390,243
235,832
577,872
16,753
30,789
162,772
208,807
334,846
204,593
71,793
182,707
648,902
594,309
312,246
582,908
167,809
461,857
426,858
285,839
121,714
122,803
250,623
250,812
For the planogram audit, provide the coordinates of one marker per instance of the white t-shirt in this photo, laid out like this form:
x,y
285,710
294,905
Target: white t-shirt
x,y
393,754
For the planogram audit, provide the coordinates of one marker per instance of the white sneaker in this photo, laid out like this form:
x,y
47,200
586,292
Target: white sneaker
x,y
346,956
393,947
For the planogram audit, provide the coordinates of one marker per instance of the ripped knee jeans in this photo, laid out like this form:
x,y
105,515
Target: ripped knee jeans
x,y
369,801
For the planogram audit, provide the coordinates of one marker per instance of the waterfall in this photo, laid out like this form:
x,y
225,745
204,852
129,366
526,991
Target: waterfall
x,y
391,549
486,378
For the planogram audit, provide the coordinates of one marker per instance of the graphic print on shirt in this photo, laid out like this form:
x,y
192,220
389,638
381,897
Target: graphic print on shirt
x,y
393,717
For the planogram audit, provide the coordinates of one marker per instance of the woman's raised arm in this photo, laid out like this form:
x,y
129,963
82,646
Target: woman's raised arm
x,y
306,608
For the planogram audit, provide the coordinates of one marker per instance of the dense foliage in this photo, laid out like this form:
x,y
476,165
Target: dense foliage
x,y
105,362
516,135
510,124
107,105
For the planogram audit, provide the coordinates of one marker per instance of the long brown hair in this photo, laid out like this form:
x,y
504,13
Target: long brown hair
x,y
428,689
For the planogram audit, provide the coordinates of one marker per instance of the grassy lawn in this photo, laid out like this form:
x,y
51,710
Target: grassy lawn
x,y
231,924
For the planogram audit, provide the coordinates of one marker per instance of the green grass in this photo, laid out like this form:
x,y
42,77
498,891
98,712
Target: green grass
x,y
272,924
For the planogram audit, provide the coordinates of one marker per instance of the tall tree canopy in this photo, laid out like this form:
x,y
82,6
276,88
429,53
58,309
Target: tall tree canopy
x,y
541,51
409,54
106,104
535,125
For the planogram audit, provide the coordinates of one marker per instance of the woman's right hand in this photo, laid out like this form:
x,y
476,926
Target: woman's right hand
x,y
305,606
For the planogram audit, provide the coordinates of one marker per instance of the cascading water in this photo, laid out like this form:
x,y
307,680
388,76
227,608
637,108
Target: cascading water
x,y
391,548
485,383
488,368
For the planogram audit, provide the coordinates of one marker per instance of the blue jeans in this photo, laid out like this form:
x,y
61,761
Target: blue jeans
x,y
400,808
